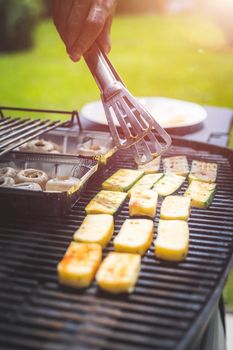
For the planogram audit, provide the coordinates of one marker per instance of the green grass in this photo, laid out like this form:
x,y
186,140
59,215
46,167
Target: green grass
x,y
181,57
164,56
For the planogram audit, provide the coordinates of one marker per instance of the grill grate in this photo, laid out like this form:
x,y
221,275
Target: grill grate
x,y
16,131
171,303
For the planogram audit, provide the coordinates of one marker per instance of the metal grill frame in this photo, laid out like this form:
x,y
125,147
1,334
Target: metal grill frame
x,y
40,314
16,131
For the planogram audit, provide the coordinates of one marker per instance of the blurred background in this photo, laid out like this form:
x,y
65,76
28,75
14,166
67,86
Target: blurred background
x,y
174,48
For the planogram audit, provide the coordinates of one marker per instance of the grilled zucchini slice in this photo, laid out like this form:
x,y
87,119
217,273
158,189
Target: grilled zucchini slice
x,y
105,202
122,180
95,228
200,193
202,171
135,236
176,165
168,184
150,167
145,183
172,240
118,272
175,208
79,265
143,203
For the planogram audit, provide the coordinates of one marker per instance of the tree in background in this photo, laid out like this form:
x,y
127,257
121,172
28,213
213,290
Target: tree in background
x,y
17,21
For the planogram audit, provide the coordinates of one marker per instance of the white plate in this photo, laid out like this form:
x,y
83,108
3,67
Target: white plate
x,y
169,113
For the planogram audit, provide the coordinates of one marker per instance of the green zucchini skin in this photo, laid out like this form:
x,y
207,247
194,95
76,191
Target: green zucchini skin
x,y
197,189
168,184
106,202
146,182
122,180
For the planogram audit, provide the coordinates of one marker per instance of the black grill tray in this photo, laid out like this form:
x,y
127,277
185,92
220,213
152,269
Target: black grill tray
x,y
43,202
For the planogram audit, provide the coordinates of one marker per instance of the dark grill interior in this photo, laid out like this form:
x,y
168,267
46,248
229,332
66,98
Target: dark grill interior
x,y
171,302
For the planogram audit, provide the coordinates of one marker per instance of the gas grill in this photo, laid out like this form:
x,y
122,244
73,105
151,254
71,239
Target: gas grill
x,y
172,302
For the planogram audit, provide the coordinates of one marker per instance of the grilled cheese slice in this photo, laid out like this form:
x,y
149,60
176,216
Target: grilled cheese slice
x,y
118,272
145,183
79,265
202,171
200,193
168,184
143,203
175,208
150,167
135,236
96,228
106,202
177,165
122,180
172,240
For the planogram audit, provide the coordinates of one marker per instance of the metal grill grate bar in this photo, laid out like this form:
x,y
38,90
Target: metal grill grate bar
x,y
14,139
11,132
11,123
18,132
4,121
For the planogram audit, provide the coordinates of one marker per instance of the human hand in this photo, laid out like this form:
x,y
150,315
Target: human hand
x,y
81,22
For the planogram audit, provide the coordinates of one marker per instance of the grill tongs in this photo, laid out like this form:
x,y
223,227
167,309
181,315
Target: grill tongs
x,y
137,126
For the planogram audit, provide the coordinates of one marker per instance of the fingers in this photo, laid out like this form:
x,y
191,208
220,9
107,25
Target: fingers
x,y
76,21
55,9
81,22
61,11
104,37
92,27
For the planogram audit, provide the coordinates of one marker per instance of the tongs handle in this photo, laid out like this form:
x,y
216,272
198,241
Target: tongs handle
x,y
103,71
